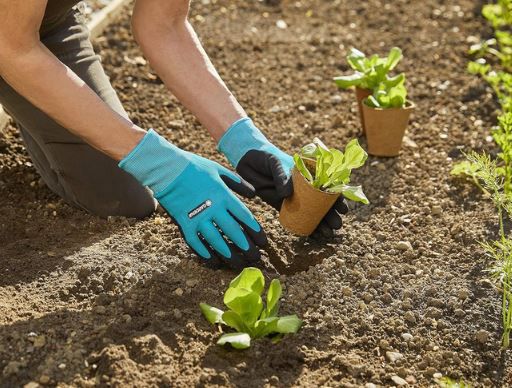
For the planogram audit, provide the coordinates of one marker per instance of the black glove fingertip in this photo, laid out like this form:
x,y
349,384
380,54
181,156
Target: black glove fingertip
x,y
244,188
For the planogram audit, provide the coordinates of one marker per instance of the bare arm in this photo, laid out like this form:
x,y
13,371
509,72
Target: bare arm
x,y
34,72
174,51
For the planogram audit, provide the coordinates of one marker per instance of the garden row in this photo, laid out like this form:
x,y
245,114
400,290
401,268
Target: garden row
x,y
493,173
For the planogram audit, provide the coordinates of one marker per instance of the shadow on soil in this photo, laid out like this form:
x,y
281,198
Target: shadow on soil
x,y
115,345
33,241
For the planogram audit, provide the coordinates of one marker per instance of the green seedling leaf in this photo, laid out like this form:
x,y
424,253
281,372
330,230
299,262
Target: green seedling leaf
x,y
355,155
394,56
236,340
250,279
234,321
371,71
465,168
309,151
273,295
288,324
354,193
212,314
348,81
246,303
301,166
265,327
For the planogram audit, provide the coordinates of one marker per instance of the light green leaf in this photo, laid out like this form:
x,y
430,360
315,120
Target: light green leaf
x,y
236,340
265,326
464,168
309,151
212,314
246,303
354,193
288,324
301,166
273,295
251,279
355,155
394,56
347,81
234,321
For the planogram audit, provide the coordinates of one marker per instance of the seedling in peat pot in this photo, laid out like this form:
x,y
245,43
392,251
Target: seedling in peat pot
x,y
247,313
386,113
320,176
369,73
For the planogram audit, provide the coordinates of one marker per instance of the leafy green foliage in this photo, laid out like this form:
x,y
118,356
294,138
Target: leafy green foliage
x,y
446,382
390,93
499,14
247,314
502,135
496,51
489,177
332,168
369,71
494,176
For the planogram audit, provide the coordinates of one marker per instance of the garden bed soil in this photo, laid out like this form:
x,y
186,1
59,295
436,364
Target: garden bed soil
x,y
400,293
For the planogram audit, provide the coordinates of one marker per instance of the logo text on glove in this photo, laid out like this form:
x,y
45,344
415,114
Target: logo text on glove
x,y
205,205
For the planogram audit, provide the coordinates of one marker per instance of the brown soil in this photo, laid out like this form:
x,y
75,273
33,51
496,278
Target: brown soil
x,y
86,302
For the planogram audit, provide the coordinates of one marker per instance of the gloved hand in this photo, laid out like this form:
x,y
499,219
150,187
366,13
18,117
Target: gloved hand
x,y
268,169
196,194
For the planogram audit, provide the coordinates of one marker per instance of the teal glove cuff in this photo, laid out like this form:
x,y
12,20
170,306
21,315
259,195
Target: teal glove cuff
x,y
154,162
241,137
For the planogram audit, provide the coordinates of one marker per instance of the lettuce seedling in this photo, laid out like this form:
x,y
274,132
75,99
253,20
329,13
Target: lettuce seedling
x,y
247,314
332,168
390,93
369,71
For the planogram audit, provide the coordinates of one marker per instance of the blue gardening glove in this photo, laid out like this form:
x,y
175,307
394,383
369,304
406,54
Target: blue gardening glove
x,y
268,169
196,193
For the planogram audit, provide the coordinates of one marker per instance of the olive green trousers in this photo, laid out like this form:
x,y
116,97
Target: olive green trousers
x,y
80,174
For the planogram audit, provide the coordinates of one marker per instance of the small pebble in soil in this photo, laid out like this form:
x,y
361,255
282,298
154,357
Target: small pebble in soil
x,y
393,356
398,380
463,294
407,337
178,291
436,210
482,336
409,317
404,246
336,99
177,313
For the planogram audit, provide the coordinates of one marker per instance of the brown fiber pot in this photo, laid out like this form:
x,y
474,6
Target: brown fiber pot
x,y
361,95
302,212
385,128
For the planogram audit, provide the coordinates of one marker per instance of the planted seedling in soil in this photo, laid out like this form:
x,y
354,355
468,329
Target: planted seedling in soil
x,y
320,176
386,113
369,73
247,314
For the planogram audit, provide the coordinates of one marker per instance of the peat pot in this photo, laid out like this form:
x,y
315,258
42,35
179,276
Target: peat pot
x,y
385,128
361,95
302,212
